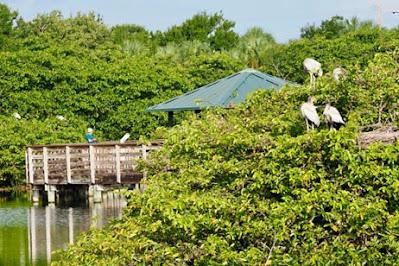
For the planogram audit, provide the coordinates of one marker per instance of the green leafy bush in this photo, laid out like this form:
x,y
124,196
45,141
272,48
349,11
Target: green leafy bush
x,y
250,186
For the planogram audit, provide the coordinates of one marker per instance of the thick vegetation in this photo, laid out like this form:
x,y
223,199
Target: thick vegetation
x,y
104,77
250,187
238,187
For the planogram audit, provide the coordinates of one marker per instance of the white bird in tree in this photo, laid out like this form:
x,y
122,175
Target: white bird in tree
x,y
339,73
16,115
308,111
60,117
314,69
333,117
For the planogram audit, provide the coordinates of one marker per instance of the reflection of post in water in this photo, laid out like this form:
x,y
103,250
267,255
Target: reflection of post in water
x,y
97,216
32,231
51,228
70,225
48,232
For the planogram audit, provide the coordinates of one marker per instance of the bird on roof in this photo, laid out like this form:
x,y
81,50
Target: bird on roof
x,y
309,113
332,117
339,73
314,69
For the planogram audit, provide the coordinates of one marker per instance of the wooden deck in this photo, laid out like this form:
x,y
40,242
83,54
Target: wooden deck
x,y
106,163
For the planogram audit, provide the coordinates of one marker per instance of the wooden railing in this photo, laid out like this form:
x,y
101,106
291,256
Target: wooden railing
x,y
102,163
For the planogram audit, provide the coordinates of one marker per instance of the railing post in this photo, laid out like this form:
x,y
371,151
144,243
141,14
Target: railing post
x,y
118,163
68,164
92,164
45,164
30,165
144,152
144,155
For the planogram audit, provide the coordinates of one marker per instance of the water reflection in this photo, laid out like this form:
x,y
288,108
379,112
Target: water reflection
x,y
29,234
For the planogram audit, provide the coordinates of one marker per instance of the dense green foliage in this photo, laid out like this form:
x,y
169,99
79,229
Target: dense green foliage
x,y
77,67
335,27
251,187
238,187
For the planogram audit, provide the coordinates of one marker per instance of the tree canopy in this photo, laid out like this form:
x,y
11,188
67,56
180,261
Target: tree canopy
x,y
246,186
250,186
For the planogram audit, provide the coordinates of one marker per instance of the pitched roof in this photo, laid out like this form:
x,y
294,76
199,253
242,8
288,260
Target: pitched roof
x,y
225,92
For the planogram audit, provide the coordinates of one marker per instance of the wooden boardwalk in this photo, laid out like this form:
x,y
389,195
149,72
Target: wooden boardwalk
x,y
106,163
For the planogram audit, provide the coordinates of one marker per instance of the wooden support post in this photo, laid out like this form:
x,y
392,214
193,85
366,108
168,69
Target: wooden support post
x,y
97,193
35,194
92,156
171,119
45,164
118,163
144,151
26,168
68,164
30,165
51,193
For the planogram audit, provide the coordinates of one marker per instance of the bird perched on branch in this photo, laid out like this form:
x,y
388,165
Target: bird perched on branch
x,y
339,73
333,117
60,117
308,111
16,115
314,69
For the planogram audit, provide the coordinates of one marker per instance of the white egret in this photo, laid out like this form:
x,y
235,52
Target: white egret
x,y
314,69
339,73
16,115
333,117
308,111
124,138
60,117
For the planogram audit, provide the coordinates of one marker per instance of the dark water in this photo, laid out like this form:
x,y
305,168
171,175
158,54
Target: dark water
x,y
29,234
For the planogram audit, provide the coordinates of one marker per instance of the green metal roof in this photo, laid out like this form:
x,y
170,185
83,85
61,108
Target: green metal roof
x,y
225,92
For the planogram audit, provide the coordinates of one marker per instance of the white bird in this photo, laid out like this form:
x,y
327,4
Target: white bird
x,y
308,111
60,117
338,73
333,117
314,69
16,115
124,138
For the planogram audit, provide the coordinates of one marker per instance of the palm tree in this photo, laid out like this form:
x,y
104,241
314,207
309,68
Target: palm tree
x,y
252,45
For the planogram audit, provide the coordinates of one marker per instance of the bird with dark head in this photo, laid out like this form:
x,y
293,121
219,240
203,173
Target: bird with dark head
x,y
314,69
309,113
339,73
332,117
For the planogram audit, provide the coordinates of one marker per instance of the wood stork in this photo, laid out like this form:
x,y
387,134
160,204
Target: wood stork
x,y
314,69
308,111
339,73
16,115
333,117
60,117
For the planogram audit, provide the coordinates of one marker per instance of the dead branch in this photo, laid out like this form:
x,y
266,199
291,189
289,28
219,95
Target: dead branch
x,y
383,134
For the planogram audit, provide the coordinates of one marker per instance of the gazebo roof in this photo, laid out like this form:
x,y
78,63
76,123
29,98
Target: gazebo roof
x,y
225,92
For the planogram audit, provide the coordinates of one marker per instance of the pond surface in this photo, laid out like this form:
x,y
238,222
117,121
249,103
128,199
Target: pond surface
x,y
29,234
